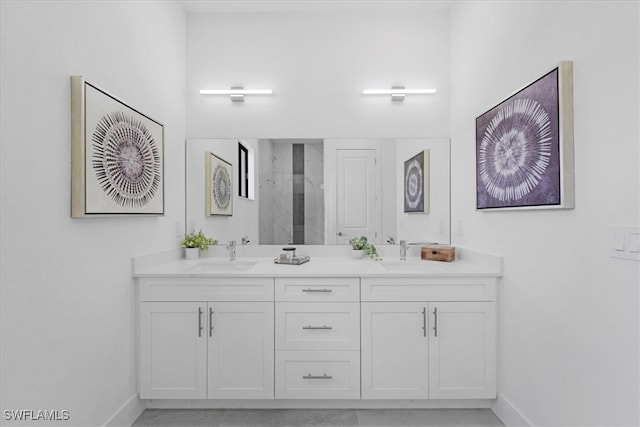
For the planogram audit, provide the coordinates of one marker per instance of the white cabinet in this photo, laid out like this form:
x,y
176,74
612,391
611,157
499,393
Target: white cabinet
x,y
240,350
376,337
439,349
173,351
207,349
394,351
462,350
317,338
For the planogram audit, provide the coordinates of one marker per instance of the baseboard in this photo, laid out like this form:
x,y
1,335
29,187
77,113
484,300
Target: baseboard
x,y
315,404
508,413
128,413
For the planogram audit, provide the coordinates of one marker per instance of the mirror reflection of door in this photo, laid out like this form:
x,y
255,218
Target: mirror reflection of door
x,y
356,201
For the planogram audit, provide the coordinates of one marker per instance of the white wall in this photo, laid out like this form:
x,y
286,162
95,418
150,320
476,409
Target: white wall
x,y
569,315
67,298
317,63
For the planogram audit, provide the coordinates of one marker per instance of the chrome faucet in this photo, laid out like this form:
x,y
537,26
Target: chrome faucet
x,y
391,240
231,247
403,250
245,240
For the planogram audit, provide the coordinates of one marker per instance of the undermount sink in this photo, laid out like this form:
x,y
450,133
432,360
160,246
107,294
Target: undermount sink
x,y
410,265
220,265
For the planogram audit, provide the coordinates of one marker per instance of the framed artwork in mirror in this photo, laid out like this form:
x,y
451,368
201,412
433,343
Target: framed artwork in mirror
x,y
416,183
117,156
218,186
524,147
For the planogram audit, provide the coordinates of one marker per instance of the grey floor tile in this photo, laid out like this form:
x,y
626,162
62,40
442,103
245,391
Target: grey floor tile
x,y
428,418
290,418
318,417
180,417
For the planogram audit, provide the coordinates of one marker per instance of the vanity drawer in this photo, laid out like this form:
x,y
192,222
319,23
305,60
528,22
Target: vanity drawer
x,y
304,289
314,326
317,375
429,289
206,289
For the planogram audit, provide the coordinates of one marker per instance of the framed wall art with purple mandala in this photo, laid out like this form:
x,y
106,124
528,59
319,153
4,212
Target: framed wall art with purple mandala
x,y
218,186
524,147
416,183
117,156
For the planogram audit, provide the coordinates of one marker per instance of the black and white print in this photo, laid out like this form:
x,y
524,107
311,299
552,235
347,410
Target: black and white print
x,y
118,158
219,186
126,160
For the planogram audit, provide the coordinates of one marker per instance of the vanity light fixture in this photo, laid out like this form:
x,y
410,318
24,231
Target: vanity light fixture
x,y
397,92
236,93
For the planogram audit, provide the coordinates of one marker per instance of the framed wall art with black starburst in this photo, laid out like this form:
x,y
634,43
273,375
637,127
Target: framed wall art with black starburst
x,y
524,147
117,156
218,186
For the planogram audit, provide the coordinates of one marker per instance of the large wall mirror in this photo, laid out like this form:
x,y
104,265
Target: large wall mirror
x,y
279,191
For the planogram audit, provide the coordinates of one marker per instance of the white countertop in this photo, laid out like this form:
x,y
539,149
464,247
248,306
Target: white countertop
x,y
469,265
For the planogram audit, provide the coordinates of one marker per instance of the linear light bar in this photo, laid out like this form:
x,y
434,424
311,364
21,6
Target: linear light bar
x,y
397,91
236,93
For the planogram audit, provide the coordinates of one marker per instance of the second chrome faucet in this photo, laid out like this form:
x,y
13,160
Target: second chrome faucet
x,y
403,250
231,247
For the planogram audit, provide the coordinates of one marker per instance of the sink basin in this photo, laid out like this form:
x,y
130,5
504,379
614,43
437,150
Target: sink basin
x,y
215,266
411,266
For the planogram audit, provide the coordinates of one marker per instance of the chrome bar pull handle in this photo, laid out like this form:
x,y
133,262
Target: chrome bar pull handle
x,y
435,321
325,327
424,321
210,321
317,290
317,377
199,321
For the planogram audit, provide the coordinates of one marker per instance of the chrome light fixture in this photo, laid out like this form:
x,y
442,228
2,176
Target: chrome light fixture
x,y
236,93
397,92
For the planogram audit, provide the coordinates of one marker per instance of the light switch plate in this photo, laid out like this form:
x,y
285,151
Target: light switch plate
x,y
624,242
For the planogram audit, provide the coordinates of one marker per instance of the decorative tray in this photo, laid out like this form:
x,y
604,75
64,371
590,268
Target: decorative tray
x,y
296,260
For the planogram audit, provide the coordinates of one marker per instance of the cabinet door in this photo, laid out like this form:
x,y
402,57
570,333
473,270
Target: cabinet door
x,y
173,348
240,350
394,350
462,350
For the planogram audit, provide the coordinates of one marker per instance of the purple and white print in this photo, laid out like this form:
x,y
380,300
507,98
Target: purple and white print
x,y
517,149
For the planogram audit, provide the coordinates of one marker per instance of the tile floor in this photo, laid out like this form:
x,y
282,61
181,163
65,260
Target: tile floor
x,y
318,417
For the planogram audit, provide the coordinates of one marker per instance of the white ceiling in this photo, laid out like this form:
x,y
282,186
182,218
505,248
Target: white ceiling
x,y
235,6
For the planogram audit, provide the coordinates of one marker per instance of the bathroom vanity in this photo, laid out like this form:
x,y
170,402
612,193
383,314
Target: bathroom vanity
x,y
334,329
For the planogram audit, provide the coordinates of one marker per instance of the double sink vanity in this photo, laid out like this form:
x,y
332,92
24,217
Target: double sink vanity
x,y
334,331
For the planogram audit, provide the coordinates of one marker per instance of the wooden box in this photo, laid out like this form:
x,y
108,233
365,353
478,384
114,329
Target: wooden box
x,y
438,253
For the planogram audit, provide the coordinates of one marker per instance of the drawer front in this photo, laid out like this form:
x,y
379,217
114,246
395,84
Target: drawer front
x,y
317,326
303,289
429,289
317,375
206,289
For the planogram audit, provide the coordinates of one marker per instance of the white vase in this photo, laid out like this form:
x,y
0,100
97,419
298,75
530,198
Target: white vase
x,y
357,253
191,253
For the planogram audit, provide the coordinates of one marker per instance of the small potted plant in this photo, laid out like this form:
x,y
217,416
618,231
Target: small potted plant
x,y
360,246
195,242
